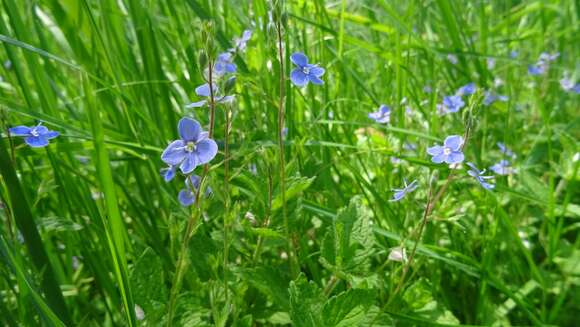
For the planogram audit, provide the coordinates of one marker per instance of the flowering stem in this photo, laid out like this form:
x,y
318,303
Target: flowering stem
x,y
181,261
282,162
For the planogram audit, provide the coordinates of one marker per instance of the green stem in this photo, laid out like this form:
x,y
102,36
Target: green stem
x,y
181,262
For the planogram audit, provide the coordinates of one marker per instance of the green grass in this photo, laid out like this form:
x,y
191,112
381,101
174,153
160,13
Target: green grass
x,y
89,229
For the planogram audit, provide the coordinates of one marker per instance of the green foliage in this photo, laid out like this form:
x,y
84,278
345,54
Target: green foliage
x,y
90,234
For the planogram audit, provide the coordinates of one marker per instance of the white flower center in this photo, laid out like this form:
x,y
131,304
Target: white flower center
x,y
190,147
446,151
306,70
34,132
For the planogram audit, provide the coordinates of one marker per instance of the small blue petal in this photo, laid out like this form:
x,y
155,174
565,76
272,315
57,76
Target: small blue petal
x,y
315,80
175,153
453,142
455,158
20,131
317,71
206,150
439,158
189,163
186,197
36,141
196,104
299,59
189,129
435,150
51,134
298,77
203,90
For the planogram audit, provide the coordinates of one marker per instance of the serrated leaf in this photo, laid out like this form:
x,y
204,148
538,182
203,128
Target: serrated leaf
x,y
306,301
269,281
348,242
348,308
148,285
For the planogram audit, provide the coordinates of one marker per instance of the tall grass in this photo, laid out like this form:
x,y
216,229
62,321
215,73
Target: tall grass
x,y
299,228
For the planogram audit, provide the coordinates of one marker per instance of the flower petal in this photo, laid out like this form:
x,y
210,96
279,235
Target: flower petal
x,y
51,134
203,90
196,104
455,157
230,68
317,71
189,129
188,165
174,153
439,158
453,142
36,141
299,59
435,150
398,196
298,77
315,80
168,173
206,150
41,130
186,197
20,131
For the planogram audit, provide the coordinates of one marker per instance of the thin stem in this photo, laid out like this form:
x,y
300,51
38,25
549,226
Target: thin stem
x,y
268,215
181,262
227,201
282,161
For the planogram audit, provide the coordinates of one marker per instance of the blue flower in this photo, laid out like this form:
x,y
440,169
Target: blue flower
x,y
192,150
491,97
240,43
505,150
514,54
187,195
536,70
478,175
503,168
543,63
305,72
451,103
490,63
467,89
224,64
450,152
452,58
566,83
576,89
382,116
401,192
168,173
36,136
204,91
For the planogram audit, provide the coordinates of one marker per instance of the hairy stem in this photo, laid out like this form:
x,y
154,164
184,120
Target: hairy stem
x,y
282,161
196,212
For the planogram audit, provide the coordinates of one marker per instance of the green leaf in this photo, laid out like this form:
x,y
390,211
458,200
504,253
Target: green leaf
x,y
349,240
348,308
306,302
269,281
148,285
